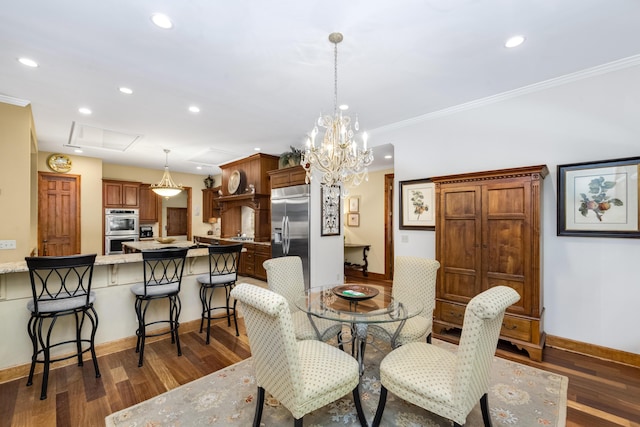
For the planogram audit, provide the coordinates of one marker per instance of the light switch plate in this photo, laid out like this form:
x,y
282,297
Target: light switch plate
x,y
7,244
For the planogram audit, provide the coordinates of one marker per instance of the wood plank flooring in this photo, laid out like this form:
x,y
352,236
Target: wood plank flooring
x,y
601,393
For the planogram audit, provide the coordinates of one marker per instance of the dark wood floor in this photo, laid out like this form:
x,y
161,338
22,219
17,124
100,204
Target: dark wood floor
x,y
600,393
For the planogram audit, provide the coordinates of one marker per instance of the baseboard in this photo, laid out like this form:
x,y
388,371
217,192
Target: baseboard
x,y
357,274
593,350
128,343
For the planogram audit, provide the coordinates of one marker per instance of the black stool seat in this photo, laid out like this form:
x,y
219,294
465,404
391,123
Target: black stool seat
x,y
223,273
61,286
163,270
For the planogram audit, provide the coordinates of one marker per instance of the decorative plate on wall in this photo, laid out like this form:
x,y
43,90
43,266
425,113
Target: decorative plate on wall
x,y
59,163
236,182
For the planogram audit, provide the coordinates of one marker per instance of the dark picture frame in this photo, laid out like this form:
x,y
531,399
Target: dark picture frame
x,y
331,212
599,199
417,204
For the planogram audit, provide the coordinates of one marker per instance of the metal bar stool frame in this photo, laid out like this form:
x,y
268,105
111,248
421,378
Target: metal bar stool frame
x,y
163,270
61,286
224,261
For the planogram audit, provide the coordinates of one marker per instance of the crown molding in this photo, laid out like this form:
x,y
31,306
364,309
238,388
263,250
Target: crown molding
x,y
14,101
631,61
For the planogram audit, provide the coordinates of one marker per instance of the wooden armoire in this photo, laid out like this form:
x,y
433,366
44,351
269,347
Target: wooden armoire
x,y
488,229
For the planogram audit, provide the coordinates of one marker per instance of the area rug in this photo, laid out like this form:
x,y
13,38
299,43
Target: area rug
x,y
518,396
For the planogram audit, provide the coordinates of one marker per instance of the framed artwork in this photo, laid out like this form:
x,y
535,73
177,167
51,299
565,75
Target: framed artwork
x,y
417,205
354,204
330,210
353,219
599,199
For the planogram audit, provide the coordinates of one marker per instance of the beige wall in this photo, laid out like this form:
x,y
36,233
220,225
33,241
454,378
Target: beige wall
x,y
371,229
16,181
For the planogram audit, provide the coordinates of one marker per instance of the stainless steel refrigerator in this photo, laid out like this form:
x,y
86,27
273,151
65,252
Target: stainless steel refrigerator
x,y
290,224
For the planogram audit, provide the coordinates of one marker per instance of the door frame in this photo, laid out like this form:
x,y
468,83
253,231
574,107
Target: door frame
x,y
388,226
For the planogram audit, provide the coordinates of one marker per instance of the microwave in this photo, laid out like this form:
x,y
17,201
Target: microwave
x,y
119,222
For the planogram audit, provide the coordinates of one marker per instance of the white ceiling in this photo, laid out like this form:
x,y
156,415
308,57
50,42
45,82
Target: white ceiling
x,y
262,71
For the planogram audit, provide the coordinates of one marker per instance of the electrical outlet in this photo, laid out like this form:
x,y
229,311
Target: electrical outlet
x,y
404,238
7,244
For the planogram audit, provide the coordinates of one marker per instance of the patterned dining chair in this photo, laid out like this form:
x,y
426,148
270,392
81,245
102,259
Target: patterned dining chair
x,y
302,375
414,279
446,383
285,277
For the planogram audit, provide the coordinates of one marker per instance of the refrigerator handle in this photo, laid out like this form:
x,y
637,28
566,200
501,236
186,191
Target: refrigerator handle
x,y
287,239
284,236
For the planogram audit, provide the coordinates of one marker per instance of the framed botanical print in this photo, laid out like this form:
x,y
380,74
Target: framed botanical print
x,y
353,219
330,210
354,204
599,199
417,205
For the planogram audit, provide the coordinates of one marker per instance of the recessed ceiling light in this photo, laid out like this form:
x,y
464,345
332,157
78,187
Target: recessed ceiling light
x,y
343,107
161,20
125,90
84,110
28,62
514,41
77,150
194,109
199,167
388,156
256,149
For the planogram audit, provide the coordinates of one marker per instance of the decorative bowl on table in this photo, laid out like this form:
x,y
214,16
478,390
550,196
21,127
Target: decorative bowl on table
x,y
355,292
165,239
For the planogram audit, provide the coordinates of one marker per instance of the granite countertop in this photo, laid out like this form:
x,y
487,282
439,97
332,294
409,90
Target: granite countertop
x,y
234,240
153,244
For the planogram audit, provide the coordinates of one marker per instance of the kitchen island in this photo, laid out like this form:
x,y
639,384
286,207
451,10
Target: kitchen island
x,y
133,247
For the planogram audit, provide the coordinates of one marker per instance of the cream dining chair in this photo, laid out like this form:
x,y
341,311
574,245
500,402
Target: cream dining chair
x,y
446,383
285,277
414,279
302,375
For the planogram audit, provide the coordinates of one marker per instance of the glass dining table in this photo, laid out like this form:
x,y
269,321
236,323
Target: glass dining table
x,y
359,307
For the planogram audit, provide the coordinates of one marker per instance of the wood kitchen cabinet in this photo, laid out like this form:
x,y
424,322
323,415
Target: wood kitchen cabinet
x,y
488,227
120,194
150,205
210,207
251,260
287,177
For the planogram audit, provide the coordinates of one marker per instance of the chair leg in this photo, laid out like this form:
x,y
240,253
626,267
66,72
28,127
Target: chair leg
x,y
47,356
93,316
484,405
380,410
356,400
297,422
259,404
79,337
429,339
175,321
31,329
235,319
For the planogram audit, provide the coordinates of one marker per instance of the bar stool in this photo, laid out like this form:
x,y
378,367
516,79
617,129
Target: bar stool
x,y
162,278
61,286
223,273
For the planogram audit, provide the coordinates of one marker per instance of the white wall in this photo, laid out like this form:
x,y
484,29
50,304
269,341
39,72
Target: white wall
x,y
591,286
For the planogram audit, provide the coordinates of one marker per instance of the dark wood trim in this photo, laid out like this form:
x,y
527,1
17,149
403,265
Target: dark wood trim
x,y
594,350
389,254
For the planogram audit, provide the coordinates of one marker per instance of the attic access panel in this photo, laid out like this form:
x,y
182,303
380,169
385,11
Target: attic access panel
x,y
86,136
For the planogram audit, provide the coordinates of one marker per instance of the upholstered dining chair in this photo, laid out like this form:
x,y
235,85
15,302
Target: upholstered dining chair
x,y
163,270
414,279
446,383
285,277
60,287
302,375
224,261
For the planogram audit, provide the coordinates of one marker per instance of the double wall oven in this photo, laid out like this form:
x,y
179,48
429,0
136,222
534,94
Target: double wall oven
x,y
120,225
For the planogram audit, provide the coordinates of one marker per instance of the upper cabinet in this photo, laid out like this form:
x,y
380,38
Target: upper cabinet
x,y
287,177
120,194
150,204
210,208
248,175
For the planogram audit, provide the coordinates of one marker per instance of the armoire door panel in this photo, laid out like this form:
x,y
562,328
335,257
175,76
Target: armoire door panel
x,y
517,283
500,200
462,202
460,285
505,247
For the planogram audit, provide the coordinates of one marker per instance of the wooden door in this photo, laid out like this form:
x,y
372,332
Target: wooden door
x,y
458,248
176,221
507,239
58,214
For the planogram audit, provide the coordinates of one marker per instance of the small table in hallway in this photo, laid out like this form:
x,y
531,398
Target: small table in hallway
x,y
365,264
358,306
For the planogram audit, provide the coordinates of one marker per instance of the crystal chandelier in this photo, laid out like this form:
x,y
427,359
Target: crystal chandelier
x,y
338,157
166,187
